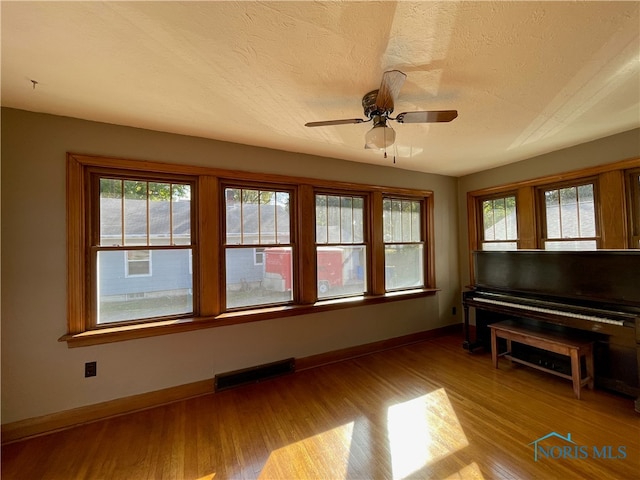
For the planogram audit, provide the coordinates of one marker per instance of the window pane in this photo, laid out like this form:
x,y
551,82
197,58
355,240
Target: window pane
x,y
499,219
181,214
511,218
339,219
571,245
387,220
403,266
497,246
322,222
138,263
159,213
416,222
152,213
256,217
586,211
249,283
135,213
333,215
341,271
402,220
110,212
346,220
569,213
267,222
396,220
552,204
358,220
282,209
488,220
233,216
166,289
258,256
250,217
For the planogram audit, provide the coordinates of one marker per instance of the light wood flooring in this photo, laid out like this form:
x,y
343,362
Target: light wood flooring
x,y
428,410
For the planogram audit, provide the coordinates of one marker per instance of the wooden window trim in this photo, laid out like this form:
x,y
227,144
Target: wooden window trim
x,y
612,207
633,211
368,213
92,243
541,210
426,234
208,249
480,217
225,183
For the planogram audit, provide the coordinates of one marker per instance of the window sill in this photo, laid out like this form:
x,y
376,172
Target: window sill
x,y
130,332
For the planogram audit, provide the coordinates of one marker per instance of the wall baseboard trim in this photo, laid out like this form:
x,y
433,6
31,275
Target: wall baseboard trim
x,y
368,348
32,427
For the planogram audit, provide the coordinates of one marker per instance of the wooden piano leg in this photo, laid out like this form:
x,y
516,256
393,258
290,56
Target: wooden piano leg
x,y
590,370
467,341
575,370
494,348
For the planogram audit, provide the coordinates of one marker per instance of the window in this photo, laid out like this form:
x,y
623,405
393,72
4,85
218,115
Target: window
x,y
140,219
138,263
403,243
258,256
569,218
499,223
633,189
156,248
341,250
255,216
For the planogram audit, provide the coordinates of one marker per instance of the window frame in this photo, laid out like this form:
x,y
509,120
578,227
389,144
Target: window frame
x,y
366,234
127,264
92,244
480,228
542,210
272,187
424,229
208,250
612,206
632,184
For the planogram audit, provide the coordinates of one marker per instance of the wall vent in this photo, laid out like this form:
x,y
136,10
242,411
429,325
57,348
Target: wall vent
x,y
224,381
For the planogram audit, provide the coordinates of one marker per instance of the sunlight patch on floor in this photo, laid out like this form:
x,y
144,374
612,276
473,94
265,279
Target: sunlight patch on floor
x,y
422,431
326,453
470,472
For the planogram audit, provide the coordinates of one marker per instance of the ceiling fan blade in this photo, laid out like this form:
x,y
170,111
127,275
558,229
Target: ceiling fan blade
x,y
427,117
335,122
390,86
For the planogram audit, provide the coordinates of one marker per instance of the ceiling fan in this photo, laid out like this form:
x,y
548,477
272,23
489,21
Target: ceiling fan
x,y
378,106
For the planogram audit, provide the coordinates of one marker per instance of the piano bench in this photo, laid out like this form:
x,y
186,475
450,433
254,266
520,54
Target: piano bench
x,y
545,340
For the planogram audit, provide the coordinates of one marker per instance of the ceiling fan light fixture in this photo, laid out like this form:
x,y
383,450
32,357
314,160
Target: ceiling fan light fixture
x,y
380,137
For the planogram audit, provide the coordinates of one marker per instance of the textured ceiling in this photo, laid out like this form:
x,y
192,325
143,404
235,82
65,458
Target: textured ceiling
x,y
526,77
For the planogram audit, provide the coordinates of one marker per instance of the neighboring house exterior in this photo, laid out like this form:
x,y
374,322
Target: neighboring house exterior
x,y
251,232
127,273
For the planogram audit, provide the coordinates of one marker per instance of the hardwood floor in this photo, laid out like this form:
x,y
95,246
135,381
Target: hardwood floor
x,y
428,410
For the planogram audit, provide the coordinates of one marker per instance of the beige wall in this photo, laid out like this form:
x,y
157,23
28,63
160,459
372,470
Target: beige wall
x,y
41,375
611,149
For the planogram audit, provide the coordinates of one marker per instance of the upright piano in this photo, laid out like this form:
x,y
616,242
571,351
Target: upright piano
x,y
594,294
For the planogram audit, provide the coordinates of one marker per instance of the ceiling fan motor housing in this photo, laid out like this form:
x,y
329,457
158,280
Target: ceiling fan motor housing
x,y
370,107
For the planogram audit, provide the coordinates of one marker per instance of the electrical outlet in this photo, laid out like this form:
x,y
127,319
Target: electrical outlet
x,y
90,369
